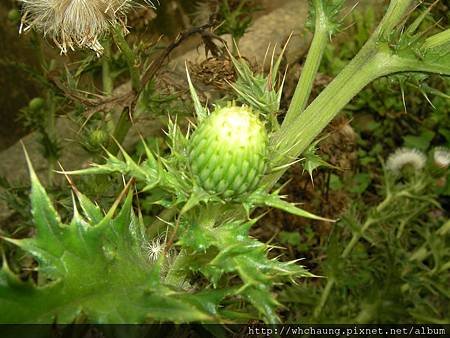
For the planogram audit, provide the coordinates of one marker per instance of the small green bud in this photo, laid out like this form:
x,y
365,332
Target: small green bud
x,y
98,137
14,16
228,152
36,104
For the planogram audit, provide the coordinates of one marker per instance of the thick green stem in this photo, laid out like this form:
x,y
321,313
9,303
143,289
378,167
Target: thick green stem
x,y
293,138
374,60
368,65
394,15
437,40
311,66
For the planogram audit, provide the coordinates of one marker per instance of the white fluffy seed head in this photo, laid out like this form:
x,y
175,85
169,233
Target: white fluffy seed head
x,y
441,157
75,23
403,157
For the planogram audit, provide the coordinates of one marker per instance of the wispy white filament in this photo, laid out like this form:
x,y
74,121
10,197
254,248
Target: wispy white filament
x,y
442,157
155,248
75,23
406,156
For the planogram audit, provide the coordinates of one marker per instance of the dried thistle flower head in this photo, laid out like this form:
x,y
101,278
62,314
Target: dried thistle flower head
x,y
75,23
403,157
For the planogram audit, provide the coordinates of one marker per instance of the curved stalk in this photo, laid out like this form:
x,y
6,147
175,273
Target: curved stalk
x,y
311,66
292,139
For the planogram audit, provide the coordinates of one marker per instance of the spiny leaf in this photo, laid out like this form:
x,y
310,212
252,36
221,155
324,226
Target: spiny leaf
x,y
147,173
238,253
258,90
47,220
91,211
200,112
260,198
313,161
99,271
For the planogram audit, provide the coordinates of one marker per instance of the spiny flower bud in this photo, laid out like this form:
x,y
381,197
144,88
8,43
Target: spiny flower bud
x,y
228,152
75,23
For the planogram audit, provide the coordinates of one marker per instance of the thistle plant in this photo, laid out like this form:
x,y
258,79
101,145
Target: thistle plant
x,y
208,185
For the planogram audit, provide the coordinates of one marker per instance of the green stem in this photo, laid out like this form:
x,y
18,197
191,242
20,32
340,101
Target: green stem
x,y
355,238
385,202
393,16
437,40
324,297
293,138
123,125
331,281
51,132
374,60
311,66
108,82
347,250
133,65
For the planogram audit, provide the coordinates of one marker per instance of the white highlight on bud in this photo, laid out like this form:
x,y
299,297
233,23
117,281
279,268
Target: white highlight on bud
x,y
75,23
441,157
406,156
235,125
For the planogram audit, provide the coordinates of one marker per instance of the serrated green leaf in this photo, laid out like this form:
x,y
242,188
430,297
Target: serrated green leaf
x,y
99,271
238,253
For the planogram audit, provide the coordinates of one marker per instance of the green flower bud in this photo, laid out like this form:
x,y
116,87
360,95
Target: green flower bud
x,y
14,16
97,138
228,152
36,104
